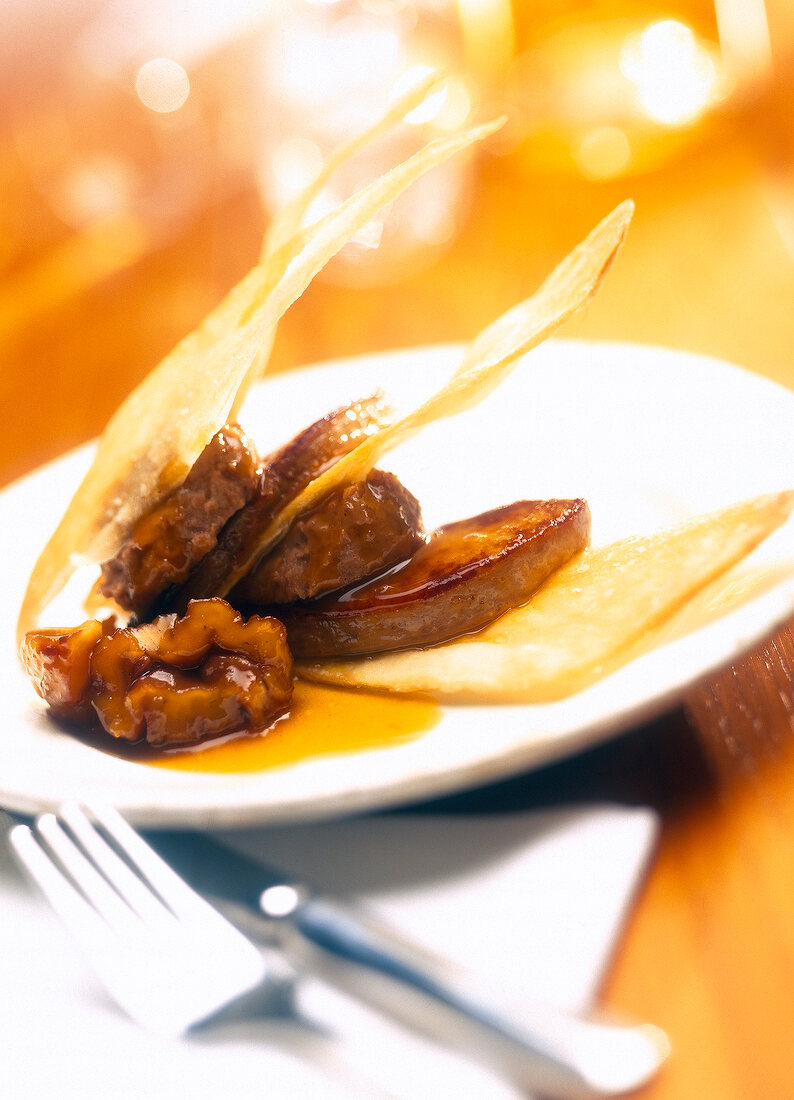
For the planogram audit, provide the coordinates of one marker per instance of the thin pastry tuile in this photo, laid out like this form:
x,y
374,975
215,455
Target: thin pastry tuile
x,y
156,435
286,235
488,360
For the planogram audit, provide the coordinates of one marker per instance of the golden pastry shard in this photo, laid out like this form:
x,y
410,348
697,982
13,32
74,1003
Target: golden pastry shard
x,y
488,360
156,435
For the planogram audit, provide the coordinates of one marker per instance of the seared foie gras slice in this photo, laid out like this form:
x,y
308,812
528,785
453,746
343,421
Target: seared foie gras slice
x,y
285,474
464,576
357,532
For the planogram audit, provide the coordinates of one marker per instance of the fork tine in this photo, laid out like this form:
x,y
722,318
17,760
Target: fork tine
x,y
127,884
173,889
68,902
169,977
83,874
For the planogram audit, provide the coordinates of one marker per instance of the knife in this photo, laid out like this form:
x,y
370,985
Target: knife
x,y
541,1047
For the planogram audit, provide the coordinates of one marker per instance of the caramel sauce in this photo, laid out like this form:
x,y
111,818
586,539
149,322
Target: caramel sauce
x,y
321,721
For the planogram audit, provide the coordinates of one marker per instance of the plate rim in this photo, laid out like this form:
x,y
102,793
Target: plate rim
x,y
511,760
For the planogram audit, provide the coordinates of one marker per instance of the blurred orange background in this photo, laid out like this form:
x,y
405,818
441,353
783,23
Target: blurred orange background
x,y
122,224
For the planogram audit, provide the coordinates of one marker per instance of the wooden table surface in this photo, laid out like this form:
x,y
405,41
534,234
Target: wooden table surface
x,y
709,950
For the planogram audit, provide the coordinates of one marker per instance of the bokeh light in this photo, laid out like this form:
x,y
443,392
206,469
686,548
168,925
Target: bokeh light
x,y
162,85
676,77
603,152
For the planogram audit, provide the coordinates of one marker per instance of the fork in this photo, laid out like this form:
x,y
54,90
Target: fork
x,y
166,956
171,961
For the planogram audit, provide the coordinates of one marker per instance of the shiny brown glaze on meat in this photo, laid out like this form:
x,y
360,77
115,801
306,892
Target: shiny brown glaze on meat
x,y
357,532
463,577
285,474
168,541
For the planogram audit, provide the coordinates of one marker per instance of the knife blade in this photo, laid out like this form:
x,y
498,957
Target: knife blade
x,y
545,1049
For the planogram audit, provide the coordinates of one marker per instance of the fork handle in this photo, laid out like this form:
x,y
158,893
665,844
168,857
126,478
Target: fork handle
x,y
546,1050
558,1054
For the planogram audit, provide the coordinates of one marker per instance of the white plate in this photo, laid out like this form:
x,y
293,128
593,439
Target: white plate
x,y
648,436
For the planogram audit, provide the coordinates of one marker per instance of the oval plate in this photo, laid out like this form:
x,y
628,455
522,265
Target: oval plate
x,y
649,436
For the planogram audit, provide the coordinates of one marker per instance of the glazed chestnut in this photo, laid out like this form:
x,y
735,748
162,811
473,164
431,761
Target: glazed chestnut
x,y
171,681
180,680
58,663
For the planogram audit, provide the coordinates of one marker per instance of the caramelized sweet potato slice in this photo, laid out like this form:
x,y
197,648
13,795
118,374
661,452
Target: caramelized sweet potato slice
x,y
464,576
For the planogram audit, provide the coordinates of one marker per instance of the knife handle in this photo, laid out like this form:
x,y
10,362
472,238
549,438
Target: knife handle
x,y
557,1054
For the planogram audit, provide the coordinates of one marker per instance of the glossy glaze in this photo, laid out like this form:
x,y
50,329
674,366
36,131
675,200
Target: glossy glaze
x,y
321,721
357,532
168,541
463,577
284,474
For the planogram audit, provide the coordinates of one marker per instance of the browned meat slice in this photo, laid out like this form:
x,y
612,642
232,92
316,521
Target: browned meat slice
x,y
462,578
285,474
168,541
355,533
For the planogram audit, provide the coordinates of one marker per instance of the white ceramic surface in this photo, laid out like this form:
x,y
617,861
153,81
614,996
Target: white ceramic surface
x,y
648,436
